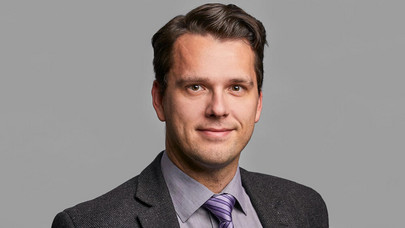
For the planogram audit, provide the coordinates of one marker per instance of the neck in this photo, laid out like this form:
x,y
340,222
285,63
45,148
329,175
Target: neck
x,y
214,178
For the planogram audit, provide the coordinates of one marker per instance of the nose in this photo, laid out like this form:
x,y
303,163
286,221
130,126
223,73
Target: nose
x,y
217,106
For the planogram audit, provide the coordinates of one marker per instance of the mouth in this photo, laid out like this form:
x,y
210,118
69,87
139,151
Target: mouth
x,y
215,133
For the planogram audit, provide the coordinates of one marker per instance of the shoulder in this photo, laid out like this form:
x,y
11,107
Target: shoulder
x,y
304,204
121,206
275,184
115,205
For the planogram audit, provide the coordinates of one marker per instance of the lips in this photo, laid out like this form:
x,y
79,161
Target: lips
x,y
215,132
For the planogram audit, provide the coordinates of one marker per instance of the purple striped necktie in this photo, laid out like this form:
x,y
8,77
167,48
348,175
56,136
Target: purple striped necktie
x,y
221,206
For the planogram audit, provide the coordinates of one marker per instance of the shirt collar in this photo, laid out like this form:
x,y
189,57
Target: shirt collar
x,y
188,195
236,189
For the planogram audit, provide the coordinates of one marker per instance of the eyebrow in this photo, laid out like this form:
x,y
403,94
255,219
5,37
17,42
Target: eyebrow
x,y
243,81
192,79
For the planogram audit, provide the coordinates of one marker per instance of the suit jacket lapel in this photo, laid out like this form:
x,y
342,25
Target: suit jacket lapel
x,y
154,205
267,201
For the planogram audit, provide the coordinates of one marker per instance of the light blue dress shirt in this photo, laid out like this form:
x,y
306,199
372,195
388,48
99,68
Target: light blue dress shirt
x,y
188,196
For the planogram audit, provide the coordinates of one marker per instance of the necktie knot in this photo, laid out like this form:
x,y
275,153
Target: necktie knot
x,y
221,206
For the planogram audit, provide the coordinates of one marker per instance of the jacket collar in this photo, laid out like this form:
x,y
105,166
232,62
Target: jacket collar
x,y
267,201
155,208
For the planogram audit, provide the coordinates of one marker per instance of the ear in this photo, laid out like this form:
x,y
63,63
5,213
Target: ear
x,y
259,107
157,100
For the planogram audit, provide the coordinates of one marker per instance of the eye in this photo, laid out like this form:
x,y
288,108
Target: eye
x,y
236,88
195,87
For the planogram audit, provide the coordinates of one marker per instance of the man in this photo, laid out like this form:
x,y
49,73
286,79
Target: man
x,y
209,73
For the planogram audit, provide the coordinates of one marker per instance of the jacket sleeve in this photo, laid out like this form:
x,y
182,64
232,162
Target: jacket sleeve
x,y
62,220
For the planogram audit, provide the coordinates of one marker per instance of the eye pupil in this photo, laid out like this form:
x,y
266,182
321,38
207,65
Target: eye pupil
x,y
236,88
195,87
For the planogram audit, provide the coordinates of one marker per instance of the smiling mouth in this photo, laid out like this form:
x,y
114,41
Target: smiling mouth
x,y
215,132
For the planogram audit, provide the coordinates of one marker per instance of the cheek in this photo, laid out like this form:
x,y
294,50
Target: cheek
x,y
183,111
245,111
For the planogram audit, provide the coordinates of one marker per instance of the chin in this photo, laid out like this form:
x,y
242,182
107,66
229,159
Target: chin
x,y
215,159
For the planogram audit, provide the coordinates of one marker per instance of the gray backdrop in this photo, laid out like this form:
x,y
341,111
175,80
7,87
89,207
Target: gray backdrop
x,y
76,118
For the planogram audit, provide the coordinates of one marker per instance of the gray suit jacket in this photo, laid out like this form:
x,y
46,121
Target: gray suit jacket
x,y
144,201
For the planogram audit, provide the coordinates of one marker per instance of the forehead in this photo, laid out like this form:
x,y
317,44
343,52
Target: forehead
x,y
208,56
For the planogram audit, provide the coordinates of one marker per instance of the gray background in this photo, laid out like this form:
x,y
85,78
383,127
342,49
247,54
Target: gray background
x,y
76,118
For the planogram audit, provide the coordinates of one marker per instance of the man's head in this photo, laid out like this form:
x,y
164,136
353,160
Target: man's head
x,y
209,72
220,21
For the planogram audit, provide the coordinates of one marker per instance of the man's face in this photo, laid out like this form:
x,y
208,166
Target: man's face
x,y
211,102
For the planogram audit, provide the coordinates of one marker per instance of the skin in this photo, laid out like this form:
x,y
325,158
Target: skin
x,y
210,107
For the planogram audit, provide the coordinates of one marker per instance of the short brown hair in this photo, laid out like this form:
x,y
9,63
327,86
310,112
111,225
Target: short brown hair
x,y
219,20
